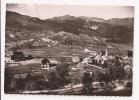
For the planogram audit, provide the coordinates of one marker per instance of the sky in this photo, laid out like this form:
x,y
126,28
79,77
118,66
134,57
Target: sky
x,y
50,11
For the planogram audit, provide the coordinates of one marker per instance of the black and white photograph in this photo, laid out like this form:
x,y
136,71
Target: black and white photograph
x,y
82,50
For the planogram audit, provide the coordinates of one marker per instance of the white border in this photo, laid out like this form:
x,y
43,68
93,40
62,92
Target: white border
x,y
76,2
73,2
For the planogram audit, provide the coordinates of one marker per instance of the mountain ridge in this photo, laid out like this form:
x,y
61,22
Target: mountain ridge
x,y
23,26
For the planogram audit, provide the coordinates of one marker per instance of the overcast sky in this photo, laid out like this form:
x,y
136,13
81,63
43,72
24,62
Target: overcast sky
x,y
49,11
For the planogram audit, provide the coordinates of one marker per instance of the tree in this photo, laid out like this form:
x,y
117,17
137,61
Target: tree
x,y
107,77
87,83
9,82
33,82
53,80
20,84
29,57
62,71
59,77
117,72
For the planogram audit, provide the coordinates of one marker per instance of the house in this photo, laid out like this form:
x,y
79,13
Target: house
x,y
18,56
102,53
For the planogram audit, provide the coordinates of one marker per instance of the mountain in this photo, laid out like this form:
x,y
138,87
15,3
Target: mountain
x,y
121,21
14,19
92,19
62,18
19,27
113,21
68,17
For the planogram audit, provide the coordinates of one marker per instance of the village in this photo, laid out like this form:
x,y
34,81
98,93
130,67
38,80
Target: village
x,y
97,72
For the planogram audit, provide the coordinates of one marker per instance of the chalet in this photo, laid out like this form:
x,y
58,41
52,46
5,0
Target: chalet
x,y
18,56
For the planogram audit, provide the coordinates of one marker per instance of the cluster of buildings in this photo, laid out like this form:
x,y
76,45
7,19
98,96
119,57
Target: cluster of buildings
x,y
104,60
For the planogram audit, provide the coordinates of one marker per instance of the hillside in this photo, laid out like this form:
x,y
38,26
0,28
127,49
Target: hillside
x,y
20,27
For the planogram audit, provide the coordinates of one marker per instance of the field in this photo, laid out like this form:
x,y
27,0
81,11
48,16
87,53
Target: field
x,y
55,53
69,52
